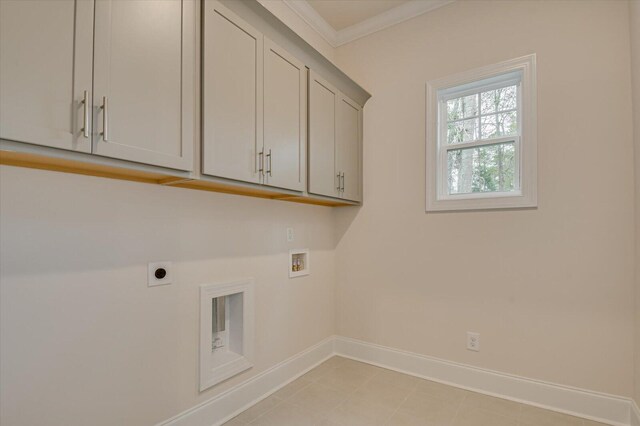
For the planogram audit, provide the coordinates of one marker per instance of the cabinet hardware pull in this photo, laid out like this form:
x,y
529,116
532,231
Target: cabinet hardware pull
x,y
339,186
342,182
261,161
85,114
105,119
270,162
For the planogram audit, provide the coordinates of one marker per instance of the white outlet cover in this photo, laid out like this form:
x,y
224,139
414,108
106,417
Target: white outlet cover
x,y
473,341
290,234
151,273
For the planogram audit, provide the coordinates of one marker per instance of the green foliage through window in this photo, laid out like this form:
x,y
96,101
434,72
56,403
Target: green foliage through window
x,y
487,168
482,116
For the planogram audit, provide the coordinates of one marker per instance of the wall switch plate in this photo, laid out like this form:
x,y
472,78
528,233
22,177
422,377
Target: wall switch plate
x,y
159,273
290,235
473,341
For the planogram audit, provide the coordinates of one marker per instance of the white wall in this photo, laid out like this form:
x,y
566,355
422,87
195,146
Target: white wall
x,y
549,290
634,16
83,338
84,341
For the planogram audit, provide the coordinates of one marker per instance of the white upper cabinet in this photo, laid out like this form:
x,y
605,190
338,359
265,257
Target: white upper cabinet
x,y
117,79
144,81
285,118
232,96
335,140
45,72
323,174
254,105
348,143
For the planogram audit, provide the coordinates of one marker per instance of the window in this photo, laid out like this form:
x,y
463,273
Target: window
x,y
481,138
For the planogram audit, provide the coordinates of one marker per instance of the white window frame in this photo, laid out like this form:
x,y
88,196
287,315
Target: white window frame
x,y
525,196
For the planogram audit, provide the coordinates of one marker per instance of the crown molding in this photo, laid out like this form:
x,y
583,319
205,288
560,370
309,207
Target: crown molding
x,y
313,18
389,18
376,23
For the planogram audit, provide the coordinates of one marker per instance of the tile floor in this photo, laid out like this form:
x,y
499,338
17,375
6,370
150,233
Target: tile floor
x,y
343,392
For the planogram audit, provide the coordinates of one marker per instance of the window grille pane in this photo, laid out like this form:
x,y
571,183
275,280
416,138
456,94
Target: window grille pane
x,y
488,168
454,109
497,100
462,131
464,107
499,125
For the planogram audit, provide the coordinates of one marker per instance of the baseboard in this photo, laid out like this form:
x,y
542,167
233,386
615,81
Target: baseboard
x,y
600,407
232,402
608,409
635,414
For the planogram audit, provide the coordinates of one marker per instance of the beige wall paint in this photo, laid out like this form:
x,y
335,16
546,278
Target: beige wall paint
x,y
84,341
634,20
74,249
549,290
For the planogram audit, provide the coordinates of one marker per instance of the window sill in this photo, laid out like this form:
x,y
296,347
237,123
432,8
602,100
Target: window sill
x,y
484,202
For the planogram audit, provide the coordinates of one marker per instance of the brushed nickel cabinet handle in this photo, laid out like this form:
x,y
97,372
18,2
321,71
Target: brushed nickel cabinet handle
x,y
342,182
339,187
85,114
270,162
261,162
105,119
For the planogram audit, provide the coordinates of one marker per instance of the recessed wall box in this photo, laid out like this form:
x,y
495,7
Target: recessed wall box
x,y
226,330
158,273
298,263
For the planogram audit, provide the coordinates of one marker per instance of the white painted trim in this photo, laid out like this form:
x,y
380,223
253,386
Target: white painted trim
x,y
225,406
609,409
635,414
604,408
391,17
315,21
527,197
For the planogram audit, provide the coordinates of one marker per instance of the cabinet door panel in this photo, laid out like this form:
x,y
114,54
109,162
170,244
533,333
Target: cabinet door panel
x,y
144,52
45,67
322,137
232,95
285,115
348,137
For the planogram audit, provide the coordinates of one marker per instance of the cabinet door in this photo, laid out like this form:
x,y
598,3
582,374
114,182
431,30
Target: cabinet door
x,y
144,81
46,52
232,96
322,137
348,141
285,117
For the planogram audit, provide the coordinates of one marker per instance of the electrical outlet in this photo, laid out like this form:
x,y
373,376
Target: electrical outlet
x,y
290,234
159,273
473,341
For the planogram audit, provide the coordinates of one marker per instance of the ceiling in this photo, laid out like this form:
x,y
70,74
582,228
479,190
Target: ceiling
x,y
341,14
342,21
